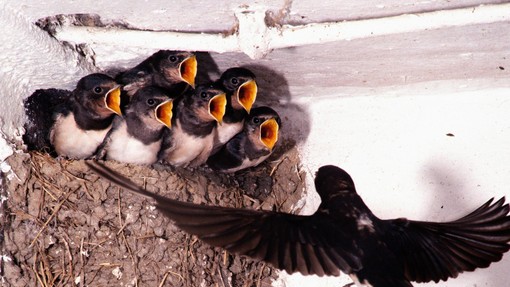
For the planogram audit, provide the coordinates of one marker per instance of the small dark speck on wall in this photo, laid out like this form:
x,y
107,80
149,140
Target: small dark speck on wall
x,y
450,135
501,68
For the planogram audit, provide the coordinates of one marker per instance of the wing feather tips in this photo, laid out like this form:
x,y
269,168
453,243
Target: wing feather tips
x,y
329,266
286,259
116,178
313,262
293,256
301,261
443,250
485,213
476,213
483,235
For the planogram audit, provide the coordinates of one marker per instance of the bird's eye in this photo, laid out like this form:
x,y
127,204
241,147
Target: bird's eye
x,y
203,95
234,81
98,90
256,120
151,102
172,58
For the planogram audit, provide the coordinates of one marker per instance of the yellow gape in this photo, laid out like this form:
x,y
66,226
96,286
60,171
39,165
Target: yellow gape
x,y
164,113
112,100
188,70
269,133
217,106
246,94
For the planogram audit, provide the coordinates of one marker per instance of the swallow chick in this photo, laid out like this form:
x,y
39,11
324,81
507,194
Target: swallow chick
x,y
343,235
137,137
82,122
241,89
196,115
171,70
39,109
250,147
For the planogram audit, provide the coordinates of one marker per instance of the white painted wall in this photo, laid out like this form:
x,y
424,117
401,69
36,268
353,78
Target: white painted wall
x,y
380,107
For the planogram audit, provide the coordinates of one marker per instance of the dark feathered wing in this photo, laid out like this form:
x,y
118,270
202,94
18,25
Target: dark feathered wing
x,y
289,242
437,251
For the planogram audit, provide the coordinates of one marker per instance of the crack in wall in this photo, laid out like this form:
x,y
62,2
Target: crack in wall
x,y
277,19
259,31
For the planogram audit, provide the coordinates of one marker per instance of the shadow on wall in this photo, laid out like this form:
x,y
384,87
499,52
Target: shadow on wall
x,y
447,188
208,70
274,92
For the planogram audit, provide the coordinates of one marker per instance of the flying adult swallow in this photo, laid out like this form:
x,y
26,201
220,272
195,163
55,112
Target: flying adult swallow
x,y
241,90
252,145
191,139
84,119
343,235
137,137
171,70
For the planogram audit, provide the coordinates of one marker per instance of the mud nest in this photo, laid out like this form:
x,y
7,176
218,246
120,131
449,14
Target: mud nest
x,y
65,226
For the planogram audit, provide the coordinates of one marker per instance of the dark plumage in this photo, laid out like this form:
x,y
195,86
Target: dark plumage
x,y
241,89
170,70
252,145
39,109
82,120
196,115
343,235
136,137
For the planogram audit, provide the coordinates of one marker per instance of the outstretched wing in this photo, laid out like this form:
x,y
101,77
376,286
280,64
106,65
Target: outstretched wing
x,y
437,251
289,242
305,244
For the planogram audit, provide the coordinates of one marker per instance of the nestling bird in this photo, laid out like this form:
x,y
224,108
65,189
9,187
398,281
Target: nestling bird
x,y
254,144
196,115
171,70
241,89
82,121
343,235
137,137
39,110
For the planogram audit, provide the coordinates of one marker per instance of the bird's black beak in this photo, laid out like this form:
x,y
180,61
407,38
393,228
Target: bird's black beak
x,y
164,113
217,107
188,70
112,100
269,133
246,94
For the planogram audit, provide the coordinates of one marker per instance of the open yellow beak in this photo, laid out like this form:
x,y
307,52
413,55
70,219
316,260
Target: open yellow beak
x,y
112,100
217,106
246,94
164,113
188,70
269,133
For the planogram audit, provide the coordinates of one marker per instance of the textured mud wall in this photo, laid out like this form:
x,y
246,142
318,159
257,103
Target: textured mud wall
x,y
66,226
